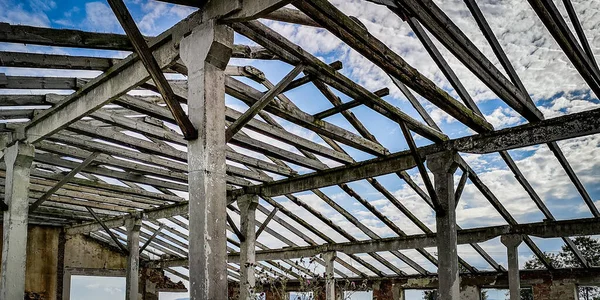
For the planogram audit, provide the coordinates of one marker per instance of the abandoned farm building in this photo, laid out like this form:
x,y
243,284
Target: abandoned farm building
x,y
300,149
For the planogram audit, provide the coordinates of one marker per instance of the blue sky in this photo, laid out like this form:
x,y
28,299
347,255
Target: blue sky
x,y
551,80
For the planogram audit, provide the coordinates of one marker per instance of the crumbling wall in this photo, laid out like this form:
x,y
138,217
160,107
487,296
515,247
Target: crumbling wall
x,y
42,262
84,252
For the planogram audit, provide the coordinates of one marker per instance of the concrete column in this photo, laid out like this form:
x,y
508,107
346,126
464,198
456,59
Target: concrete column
x,y
18,159
329,258
512,250
247,204
470,292
132,279
398,292
443,165
206,52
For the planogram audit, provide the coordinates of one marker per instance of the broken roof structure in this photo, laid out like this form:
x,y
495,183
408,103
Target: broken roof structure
x,y
147,156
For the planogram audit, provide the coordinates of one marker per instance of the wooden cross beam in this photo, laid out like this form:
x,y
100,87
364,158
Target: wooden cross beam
x,y
63,181
261,103
145,54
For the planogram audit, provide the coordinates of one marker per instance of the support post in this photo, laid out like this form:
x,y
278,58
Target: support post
x,y
443,165
206,52
247,204
512,243
18,158
398,292
132,284
329,258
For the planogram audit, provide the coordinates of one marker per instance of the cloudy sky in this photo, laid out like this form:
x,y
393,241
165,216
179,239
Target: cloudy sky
x,y
546,72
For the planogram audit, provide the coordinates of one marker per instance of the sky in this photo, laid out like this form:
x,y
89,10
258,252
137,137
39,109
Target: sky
x,y
551,80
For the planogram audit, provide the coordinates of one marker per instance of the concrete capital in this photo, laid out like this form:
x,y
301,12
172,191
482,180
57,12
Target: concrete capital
x,y
19,154
134,224
329,256
210,43
511,240
443,162
247,202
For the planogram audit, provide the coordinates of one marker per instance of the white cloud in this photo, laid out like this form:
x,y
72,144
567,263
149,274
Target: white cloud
x,y
25,13
100,18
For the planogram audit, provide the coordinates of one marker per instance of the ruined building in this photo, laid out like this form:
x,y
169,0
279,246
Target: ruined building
x,y
178,164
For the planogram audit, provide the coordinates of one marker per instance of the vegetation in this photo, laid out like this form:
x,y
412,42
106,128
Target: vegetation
x,y
590,250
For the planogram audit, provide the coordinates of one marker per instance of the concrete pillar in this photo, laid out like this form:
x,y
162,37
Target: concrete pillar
x,y
206,52
443,165
398,292
512,250
470,292
247,204
329,258
132,279
18,159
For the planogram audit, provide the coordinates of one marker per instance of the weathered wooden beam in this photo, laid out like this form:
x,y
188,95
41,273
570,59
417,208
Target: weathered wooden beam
x,y
336,65
155,71
266,222
261,103
552,18
151,238
357,37
291,53
55,61
62,37
250,95
112,84
348,105
22,100
38,83
63,181
294,16
110,233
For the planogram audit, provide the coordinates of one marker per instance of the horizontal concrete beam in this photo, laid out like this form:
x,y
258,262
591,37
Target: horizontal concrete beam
x,y
546,131
483,279
178,209
553,229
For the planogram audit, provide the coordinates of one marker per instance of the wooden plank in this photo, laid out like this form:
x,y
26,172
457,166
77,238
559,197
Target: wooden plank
x,y
63,181
291,53
22,34
371,48
152,66
112,84
261,103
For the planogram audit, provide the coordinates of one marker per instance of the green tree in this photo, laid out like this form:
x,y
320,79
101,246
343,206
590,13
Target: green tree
x,y
590,250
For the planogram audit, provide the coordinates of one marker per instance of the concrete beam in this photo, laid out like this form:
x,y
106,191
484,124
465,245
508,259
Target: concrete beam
x,y
18,158
577,227
550,130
